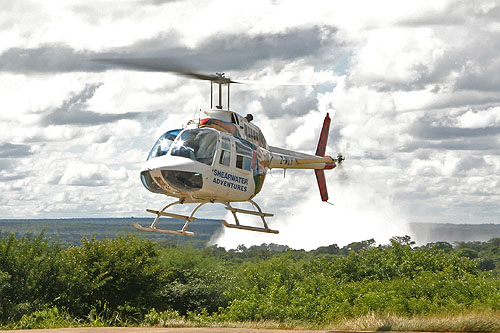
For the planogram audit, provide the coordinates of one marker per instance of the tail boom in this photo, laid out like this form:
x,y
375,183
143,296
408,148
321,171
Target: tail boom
x,y
289,159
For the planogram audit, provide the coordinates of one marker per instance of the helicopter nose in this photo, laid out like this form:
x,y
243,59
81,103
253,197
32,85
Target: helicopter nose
x,y
184,181
150,184
159,181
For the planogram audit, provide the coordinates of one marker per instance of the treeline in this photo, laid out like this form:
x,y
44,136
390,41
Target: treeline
x,y
71,231
131,281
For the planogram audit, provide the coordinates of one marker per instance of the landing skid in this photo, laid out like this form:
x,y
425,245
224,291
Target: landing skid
x,y
188,219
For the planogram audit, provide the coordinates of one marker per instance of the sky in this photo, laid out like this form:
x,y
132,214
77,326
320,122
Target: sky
x,y
412,88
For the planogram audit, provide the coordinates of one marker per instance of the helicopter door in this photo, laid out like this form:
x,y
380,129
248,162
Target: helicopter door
x,y
242,168
222,167
233,170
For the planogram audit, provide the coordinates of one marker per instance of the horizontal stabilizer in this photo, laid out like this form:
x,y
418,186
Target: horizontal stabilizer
x,y
326,159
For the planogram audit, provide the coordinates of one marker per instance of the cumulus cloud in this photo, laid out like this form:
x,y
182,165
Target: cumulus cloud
x,y
10,150
11,156
84,174
480,119
74,111
398,59
222,52
47,59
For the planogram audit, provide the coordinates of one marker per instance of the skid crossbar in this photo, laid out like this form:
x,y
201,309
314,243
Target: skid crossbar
x,y
250,212
248,227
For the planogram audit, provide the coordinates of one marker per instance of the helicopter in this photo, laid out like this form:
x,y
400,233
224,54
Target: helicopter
x,y
221,158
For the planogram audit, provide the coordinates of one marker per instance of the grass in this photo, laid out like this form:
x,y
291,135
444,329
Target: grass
x,y
471,321
474,321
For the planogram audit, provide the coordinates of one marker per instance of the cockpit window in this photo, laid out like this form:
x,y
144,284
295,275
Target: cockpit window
x,y
163,144
198,144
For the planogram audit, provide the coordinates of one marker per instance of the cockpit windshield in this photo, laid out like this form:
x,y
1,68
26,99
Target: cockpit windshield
x,y
198,144
163,144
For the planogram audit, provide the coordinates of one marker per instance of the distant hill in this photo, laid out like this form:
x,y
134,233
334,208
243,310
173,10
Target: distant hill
x,y
424,233
73,230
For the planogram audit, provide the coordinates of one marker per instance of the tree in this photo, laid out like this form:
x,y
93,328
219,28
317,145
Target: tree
x,y
403,240
359,246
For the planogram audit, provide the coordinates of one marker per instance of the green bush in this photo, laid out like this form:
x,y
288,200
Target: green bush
x,y
28,273
113,278
47,318
193,281
396,279
127,280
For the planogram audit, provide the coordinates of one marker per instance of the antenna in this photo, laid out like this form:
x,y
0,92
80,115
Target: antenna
x,y
195,110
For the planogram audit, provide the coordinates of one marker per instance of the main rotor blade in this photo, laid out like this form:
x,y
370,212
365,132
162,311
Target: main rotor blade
x,y
168,65
270,83
164,65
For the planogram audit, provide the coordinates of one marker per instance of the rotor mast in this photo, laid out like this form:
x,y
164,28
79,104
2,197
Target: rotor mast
x,y
219,79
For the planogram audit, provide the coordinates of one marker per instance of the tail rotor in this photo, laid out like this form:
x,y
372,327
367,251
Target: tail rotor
x,y
320,151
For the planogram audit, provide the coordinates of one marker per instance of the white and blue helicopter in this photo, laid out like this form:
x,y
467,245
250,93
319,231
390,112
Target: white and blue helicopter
x,y
221,158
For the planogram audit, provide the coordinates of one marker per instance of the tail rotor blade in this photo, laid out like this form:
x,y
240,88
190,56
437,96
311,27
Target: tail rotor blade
x,y
323,137
323,191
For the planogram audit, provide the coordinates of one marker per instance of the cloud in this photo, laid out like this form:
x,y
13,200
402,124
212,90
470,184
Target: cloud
x,y
410,87
449,45
480,119
73,111
296,104
48,59
84,174
10,150
220,52
426,131
11,156
161,2
398,59
479,145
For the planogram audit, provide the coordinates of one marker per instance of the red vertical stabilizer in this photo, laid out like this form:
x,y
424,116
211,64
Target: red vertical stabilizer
x,y
320,151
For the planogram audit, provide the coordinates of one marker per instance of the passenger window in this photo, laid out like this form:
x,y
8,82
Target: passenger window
x,y
243,162
225,157
226,143
243,149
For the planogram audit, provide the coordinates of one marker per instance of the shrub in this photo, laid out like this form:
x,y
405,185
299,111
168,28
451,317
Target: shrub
x,y
111,277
